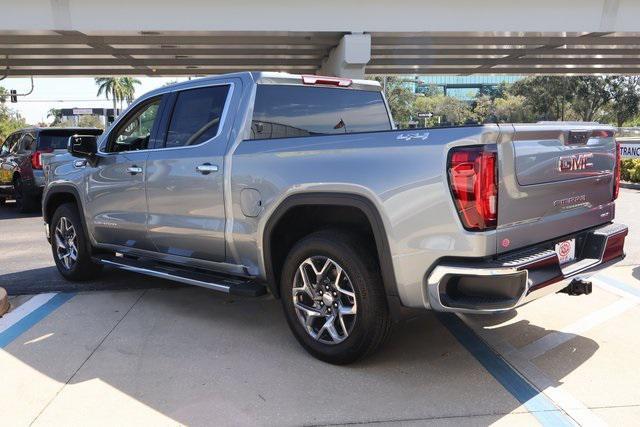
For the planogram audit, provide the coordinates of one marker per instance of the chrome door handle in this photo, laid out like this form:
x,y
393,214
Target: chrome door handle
x,y
207,168
134,170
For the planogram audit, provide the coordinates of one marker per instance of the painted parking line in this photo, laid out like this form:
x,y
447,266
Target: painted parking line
x,y
608,282
582,325
539,405
630,298
18,321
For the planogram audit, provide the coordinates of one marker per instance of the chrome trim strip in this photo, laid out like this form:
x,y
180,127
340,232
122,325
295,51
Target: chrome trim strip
x,y
223,119
163,275
212,266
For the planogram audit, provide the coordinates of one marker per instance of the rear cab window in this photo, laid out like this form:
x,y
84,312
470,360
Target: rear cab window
x,y
57,139
286,111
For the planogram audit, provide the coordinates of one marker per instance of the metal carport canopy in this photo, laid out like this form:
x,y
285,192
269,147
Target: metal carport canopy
x,y
192,37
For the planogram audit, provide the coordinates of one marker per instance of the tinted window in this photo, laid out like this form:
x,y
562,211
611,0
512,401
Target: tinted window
x,y
27,144
286,111
9,143
58,140
196,116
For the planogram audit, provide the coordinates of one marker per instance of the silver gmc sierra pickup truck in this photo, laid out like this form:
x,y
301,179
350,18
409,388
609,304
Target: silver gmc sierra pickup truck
x,y
301,187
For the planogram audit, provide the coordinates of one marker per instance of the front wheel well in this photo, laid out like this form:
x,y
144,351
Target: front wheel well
x,y
298,219
55,201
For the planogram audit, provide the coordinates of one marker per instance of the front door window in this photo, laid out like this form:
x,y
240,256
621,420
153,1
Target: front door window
x,y
135,131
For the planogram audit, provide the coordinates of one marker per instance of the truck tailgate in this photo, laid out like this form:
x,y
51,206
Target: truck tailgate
x,y
555,179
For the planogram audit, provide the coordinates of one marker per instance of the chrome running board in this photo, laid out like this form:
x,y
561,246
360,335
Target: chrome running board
x,y
216,282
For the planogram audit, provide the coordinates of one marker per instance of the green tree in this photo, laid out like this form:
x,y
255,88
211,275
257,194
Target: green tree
x,y
400,98
513,109
451,110
56,113
10,120
119,88
493,92
625,99
483,109
591,95
549,97
129,88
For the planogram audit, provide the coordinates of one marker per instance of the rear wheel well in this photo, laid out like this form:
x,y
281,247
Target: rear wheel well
x,y
303,219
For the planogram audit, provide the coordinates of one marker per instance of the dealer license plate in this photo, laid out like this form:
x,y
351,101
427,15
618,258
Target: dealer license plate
x,y
566,251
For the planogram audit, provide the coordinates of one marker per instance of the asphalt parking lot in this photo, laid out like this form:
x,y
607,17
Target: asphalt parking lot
x,y
130,350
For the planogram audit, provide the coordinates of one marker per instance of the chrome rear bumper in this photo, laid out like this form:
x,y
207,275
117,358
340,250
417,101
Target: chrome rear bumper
x,y
504,283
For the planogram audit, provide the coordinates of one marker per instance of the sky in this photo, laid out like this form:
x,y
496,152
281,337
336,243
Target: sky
x,y
66,92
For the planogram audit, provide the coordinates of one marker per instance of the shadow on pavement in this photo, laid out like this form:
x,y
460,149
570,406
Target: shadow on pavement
x,y
47,279
196,356
9,211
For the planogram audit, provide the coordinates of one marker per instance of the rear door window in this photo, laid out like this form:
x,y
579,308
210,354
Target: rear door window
x,y
196,116
27,144
285,111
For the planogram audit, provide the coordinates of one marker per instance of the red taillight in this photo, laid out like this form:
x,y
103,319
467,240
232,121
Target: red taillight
x,y
616,173
36,158
473,178
323,80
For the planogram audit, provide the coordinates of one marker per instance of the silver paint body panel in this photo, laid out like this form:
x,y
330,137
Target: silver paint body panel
x,y
401,173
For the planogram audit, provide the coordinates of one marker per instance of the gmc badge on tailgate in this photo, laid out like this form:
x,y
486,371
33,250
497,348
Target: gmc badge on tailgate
x,y
576,162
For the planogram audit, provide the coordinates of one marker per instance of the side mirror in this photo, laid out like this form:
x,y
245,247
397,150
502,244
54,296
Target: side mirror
x,y
85,146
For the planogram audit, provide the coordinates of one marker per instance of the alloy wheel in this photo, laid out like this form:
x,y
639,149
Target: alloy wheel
x,y
324,300
66,240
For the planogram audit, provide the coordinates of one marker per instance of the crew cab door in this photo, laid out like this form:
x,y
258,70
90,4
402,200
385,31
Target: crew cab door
x,y
116,198
184,177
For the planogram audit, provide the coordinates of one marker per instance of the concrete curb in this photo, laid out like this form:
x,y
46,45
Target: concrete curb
x,y
631,185
4,302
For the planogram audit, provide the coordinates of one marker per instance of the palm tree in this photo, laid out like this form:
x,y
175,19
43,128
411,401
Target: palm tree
x,y
56,113
119,88
128,89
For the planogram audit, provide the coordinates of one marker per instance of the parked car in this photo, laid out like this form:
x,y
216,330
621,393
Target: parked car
x,y
299,186
21,159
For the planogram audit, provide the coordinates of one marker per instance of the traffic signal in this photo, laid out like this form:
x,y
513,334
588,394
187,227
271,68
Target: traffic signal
x,y
14,95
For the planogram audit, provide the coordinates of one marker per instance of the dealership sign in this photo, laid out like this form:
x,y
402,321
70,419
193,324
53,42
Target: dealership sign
x,y
630,150
82,111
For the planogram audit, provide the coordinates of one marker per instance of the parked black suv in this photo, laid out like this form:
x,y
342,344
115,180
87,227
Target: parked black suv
x,y
21,158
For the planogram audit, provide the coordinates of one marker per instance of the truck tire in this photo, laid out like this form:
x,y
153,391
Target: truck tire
x,y
333,297
69,245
